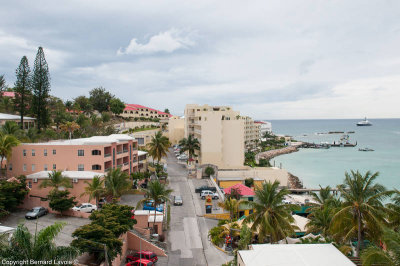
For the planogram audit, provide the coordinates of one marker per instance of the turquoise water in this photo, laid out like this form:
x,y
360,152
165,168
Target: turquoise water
x,y
327,166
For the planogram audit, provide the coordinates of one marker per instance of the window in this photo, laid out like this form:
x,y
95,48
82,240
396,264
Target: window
x,y
24,152
96,167
81,167
140,141
54,166
45,167
96,152
33,152
10,167
45,152
30,184
81,153
24,168
54,152
33,167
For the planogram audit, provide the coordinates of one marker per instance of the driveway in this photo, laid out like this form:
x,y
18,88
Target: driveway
x,y
188,234
64,237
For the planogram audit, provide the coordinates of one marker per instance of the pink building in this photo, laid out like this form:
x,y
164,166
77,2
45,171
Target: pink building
x,y
97,154
37,196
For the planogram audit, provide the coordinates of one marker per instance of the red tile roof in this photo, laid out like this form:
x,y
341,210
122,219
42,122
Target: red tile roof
x,y
241,189
136,107
259,122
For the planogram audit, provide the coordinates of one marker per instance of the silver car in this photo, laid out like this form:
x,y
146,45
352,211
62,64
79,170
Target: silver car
x,y
36,212
178,200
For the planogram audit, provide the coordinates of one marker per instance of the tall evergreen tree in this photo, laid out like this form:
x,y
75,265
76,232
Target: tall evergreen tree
x,y
22,89
40,88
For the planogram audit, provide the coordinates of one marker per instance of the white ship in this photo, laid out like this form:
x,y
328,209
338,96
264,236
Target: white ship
x,y
365,122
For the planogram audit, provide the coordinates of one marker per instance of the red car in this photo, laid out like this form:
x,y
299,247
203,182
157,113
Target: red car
x,y
141,262
147,255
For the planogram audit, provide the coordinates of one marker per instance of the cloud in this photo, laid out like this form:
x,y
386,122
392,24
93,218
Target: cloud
x,y
167,42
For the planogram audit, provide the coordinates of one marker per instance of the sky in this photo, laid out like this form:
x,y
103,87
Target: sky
x,y
294,59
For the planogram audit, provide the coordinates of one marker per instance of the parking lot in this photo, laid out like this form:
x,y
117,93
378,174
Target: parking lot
x,y
63,238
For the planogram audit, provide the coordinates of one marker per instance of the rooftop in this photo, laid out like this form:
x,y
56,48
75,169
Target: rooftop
x,y
140,153
96,140
136,107
293,254
241,189
69,174
4,116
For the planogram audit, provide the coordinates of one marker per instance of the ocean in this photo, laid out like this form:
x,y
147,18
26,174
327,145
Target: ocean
x,y
327,166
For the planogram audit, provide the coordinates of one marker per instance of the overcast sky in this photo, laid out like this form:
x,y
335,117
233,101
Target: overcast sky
x,y
268,59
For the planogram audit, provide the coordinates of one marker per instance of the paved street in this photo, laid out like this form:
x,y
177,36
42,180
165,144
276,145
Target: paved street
x,y
187,237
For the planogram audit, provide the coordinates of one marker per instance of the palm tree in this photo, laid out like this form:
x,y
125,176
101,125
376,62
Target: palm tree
x,y
38,247
190,144
320,220
271,217
56,180
11,128
394,214
94,189
7,142
362,212
116,182
374,255
158,146
157,192
232,206
69,127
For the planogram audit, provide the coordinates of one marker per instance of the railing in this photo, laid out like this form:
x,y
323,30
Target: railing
x,y
119,152
120,165
107,154
134,160
126,163
134,148
124,151
108,169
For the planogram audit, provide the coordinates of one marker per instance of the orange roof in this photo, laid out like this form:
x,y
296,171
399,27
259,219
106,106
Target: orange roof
x,y
241,189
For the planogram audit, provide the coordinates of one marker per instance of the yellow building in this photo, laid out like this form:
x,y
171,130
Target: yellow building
x,y
220,131
176,129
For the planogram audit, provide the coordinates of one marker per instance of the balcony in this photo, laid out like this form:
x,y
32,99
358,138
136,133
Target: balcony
x,y
125,151
108,169
119,152
107,155
126,163
120,165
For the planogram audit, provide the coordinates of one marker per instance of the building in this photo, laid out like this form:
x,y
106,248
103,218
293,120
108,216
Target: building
x,y
176,129
144,137
245,193
97,154
136,110
142,161
264,127
145,220
37,195
28,121
220,132
292,254
252,132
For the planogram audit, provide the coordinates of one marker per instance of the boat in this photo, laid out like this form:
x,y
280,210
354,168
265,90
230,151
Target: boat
x,y
344,142
364,122
365,149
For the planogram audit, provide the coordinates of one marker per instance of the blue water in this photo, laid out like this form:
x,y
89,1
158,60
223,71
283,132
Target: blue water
x,y
327,166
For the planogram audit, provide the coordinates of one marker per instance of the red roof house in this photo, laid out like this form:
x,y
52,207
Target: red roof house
x,y
137,107
243,190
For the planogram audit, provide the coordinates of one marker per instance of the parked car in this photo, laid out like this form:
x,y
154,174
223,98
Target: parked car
x,y
147,255
206,193
178,200
149,206
141,262
182,157
200,189
36,212
85,207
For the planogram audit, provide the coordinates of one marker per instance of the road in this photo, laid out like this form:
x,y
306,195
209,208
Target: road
x,y
188,243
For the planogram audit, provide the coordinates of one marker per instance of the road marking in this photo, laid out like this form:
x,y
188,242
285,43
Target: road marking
x,y
192,233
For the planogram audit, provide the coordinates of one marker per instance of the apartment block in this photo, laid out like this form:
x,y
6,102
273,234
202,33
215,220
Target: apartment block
x,y
251,133
220,131
176,129
97,154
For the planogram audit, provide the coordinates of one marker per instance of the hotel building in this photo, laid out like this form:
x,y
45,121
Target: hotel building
x,y
97,154
220,131
136,110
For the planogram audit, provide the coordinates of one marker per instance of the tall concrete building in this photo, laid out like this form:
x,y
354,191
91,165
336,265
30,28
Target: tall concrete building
x,y
251,133
220,131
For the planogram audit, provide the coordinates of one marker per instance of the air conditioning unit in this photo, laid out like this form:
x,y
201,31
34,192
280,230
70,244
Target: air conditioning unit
x,y
75,180
35,180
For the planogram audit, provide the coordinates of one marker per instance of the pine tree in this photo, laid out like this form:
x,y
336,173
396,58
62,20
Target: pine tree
x,y
23,89
40,88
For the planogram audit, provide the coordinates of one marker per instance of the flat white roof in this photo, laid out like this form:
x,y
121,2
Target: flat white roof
x,y
96,140
294,254
147,212
70,174
141,153
4,116
159,219
6,229
235,178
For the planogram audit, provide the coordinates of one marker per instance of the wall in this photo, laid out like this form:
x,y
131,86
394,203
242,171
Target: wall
x,y
142,222
261,173
176,129
233,143
137,243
